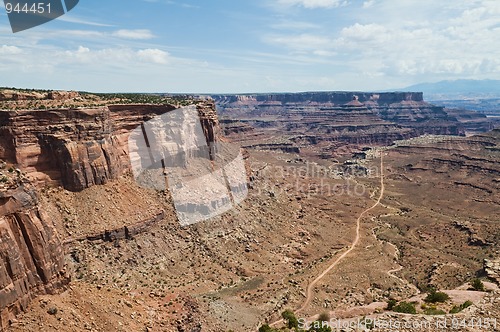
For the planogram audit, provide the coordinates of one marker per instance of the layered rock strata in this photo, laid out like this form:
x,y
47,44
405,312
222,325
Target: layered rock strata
x,y
31,254
73,148
79,148
355,118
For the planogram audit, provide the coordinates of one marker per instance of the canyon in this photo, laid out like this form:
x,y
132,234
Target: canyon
x,y
85,247
331,120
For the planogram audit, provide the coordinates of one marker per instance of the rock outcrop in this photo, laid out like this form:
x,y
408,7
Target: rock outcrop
x,y
474,157
16,95
31,254
74,148
354,118
79,148
12,95
492,269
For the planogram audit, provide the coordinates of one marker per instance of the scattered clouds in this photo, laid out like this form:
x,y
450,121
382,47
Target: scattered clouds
x,y
367,44
182,4
9,50
460,45
115,56
133,34
365,32
153,55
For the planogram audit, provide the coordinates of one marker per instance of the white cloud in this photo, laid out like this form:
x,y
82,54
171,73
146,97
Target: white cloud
x,y
368,4
300,42
153,55
9,50
410,40
314,3
79,34
133,34
364,32
117,57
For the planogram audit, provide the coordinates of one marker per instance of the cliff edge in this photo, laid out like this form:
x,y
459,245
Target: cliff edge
x,y
72,148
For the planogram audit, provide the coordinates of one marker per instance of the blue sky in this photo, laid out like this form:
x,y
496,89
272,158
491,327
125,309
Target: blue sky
x,y
239,46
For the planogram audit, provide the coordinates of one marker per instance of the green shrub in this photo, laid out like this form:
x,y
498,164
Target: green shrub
x,y
435,297
405,307
391,304
434,311
266,328
291,320
324,317
466,304
477,285
456,309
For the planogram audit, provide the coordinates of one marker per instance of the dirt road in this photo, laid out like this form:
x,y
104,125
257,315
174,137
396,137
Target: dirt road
x,y
312,285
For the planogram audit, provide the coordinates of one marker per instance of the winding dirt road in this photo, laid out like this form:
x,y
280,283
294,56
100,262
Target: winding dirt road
x,y
312,285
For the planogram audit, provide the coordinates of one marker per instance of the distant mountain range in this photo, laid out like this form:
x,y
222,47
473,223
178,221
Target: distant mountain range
x,y
459,89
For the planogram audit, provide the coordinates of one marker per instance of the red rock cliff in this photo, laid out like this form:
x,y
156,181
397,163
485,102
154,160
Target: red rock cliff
x,y
73,148
31,254
80,148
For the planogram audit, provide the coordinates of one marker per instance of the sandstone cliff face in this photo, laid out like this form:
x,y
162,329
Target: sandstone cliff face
x,y
332,98
74,148
345,117
31,254
80,148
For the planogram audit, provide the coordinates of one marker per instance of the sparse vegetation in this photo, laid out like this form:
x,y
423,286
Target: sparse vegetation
x,y
478,285
457,309
291,320
391,304
406,308
324,317
434,311
266,328
436,297
142,98
40,100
